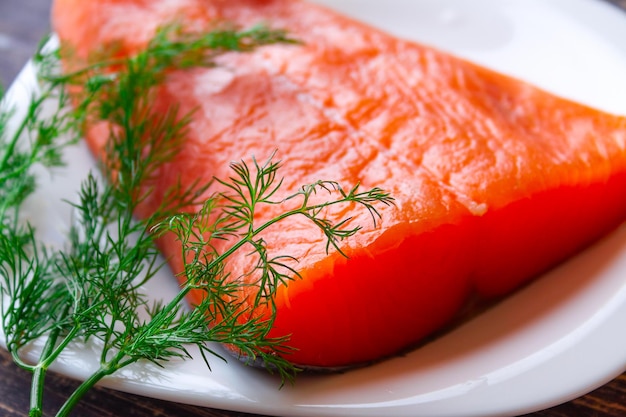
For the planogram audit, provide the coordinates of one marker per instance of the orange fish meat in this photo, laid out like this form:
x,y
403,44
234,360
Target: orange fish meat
x,y
495,180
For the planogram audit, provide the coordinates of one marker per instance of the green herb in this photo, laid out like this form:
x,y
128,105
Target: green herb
x,y
92,288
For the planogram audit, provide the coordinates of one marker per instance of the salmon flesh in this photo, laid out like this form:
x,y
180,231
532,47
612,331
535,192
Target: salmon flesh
x,y
495,181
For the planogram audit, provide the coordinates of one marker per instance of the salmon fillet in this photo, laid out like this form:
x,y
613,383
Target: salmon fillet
x,y
495,180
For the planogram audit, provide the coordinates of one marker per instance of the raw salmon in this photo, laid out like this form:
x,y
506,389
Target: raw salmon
x,y
495,180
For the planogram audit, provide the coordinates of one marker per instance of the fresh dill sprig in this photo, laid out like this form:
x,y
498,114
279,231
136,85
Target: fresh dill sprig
x,y
34,141
92,288
31,299
230,216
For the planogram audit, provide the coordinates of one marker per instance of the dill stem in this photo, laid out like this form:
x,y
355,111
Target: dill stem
x,y
36,391
60,347
83,388
105,369
39,374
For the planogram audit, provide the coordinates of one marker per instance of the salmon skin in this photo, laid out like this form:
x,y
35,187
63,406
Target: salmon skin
x,y
495,181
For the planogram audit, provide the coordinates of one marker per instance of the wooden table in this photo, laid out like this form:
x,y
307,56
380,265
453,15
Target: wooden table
x,y
22,23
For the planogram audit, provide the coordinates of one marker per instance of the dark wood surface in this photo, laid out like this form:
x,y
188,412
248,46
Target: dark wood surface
x,y
22,24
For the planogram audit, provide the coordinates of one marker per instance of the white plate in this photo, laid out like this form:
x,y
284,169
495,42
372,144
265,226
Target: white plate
x,y
553,341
